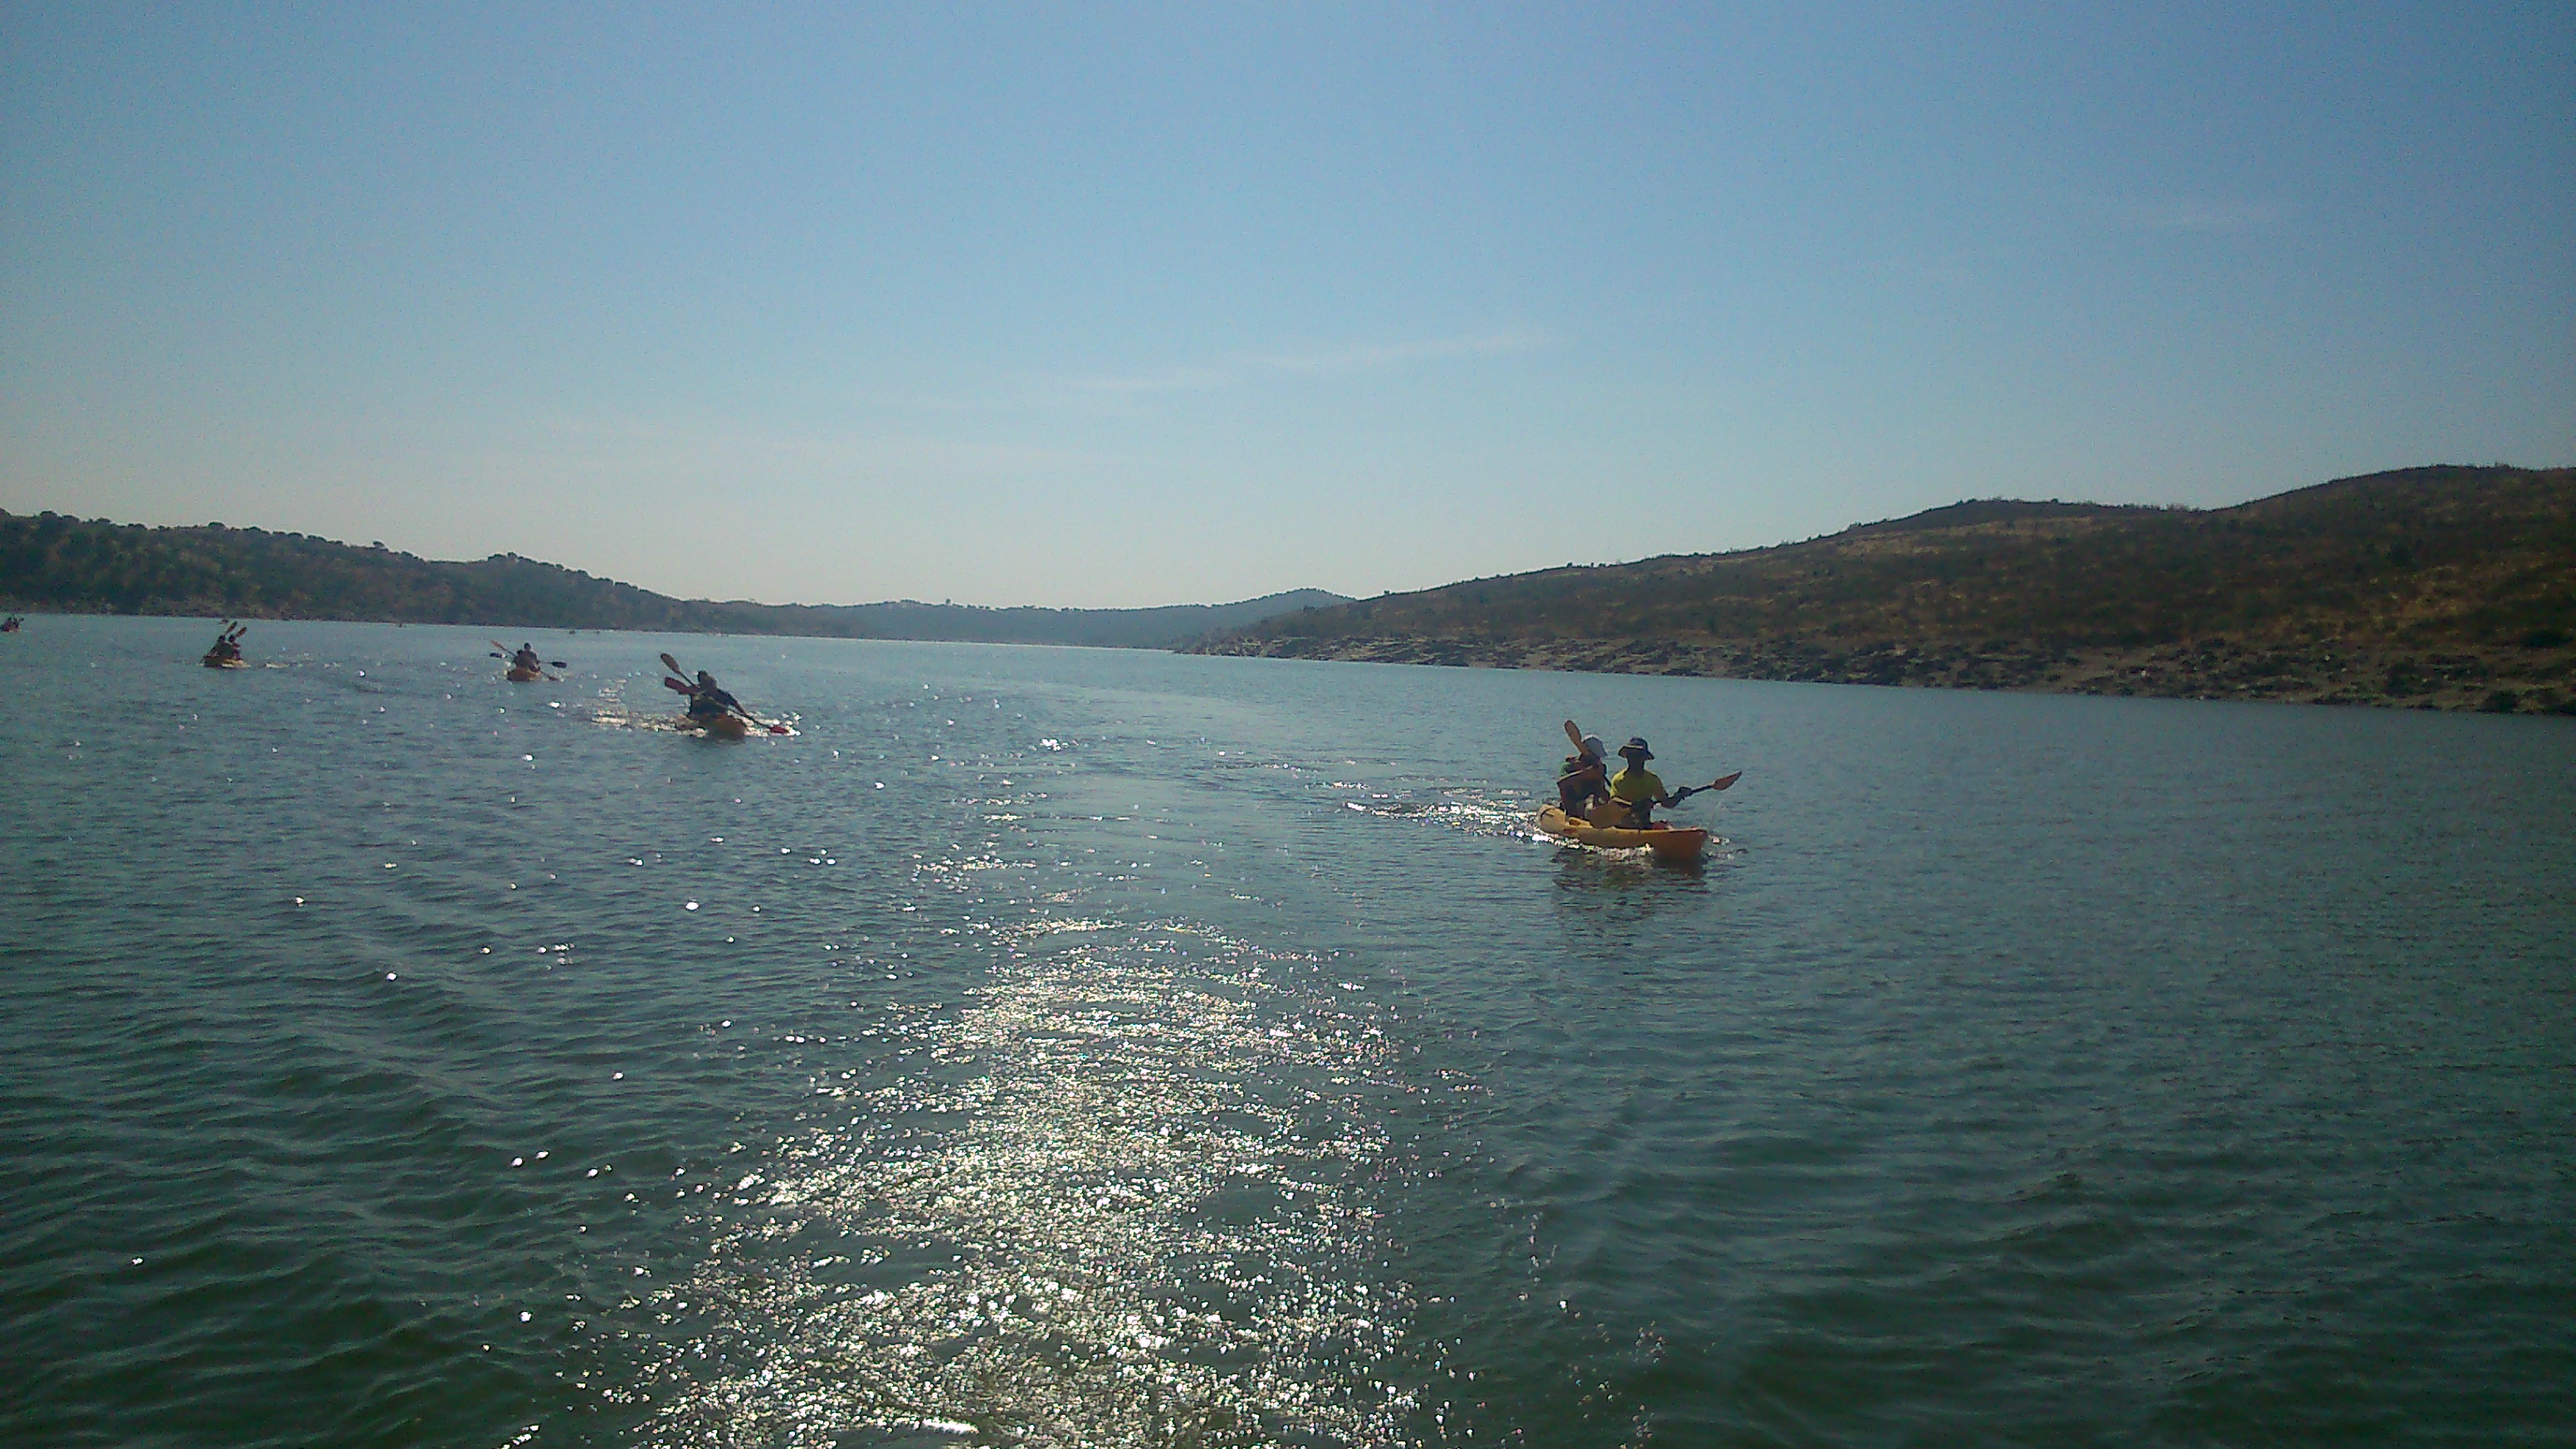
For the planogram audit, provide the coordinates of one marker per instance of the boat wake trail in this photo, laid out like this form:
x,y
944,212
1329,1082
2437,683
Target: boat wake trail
x,y
1463,809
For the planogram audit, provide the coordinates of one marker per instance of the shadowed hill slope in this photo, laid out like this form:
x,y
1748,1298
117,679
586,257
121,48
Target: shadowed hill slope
x,y
53,562
2449,586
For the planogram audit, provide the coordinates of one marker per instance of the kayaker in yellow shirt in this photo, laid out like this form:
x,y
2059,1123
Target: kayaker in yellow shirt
x,y
1637,788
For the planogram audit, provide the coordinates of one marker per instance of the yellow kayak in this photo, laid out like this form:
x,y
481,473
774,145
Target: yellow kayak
x,y
1667,842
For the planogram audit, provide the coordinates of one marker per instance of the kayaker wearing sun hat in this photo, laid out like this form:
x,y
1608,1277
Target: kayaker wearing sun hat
x,y
1636,786
1584,780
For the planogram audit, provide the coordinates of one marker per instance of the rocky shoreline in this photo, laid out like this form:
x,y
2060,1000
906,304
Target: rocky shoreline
x,y
2539,680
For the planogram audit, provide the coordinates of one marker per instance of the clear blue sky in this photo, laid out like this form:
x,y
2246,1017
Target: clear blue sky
x,y
1186,303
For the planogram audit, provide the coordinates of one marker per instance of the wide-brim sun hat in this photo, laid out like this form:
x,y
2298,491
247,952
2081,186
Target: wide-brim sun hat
x,y
1592,746
1637,747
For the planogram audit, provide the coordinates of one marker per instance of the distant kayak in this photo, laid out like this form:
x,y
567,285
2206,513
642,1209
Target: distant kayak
x,y
1667,842
226,653
523,676
720,727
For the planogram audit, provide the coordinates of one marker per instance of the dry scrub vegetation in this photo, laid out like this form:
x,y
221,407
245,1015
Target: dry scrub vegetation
x,y
2450,588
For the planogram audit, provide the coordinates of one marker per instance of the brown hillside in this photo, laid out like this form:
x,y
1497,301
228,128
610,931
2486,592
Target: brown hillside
x,y
2447,586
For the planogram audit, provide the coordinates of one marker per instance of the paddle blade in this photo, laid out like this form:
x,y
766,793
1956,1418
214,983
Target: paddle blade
x,y
1574,732
1722,783
673,665
669,683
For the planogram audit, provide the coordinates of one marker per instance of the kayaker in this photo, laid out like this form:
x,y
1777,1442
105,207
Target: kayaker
x,y
1584,781
706,701
228,643
525,659
1636,786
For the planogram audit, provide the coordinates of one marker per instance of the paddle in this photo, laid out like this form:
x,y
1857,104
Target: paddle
x,y
673,665
1687,791
511,657
513,661
1678,796
1574,736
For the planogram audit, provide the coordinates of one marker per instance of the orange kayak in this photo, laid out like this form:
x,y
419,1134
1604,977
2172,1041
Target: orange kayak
x,y
1667,842
721,727
523,676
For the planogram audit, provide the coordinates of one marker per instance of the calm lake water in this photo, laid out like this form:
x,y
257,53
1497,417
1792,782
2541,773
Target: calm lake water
x,y
1064,1047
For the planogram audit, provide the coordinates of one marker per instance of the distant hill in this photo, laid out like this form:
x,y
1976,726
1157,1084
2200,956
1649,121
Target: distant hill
x,y
54,562
1158,628
2449,587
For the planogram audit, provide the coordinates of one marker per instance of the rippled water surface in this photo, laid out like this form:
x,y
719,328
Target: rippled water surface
x,y
1061,1047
